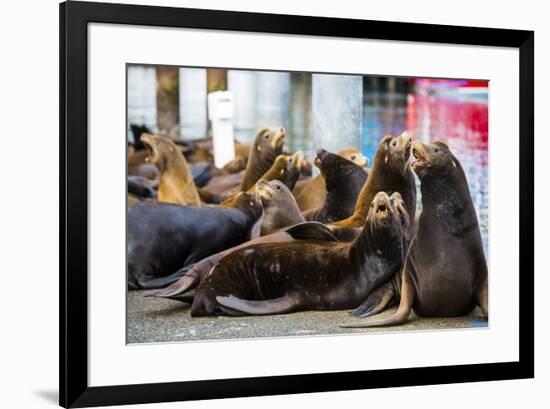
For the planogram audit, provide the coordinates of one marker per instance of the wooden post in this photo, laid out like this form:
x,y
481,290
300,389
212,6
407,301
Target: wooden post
x,y
217,79
168,100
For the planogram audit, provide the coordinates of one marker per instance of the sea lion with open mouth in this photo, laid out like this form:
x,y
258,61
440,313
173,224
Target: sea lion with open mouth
x,y
445,271
164,237
306,274
343,180
176,183
267,145
390,173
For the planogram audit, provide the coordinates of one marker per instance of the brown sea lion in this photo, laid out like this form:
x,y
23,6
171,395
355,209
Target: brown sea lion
x,y
267,145
390,173
279,206
176,183
343,181
276,278
164,237
445,271
312,195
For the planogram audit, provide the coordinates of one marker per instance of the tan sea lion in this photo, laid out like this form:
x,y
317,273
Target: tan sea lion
x,y
390,173
284,168
176,183
267,145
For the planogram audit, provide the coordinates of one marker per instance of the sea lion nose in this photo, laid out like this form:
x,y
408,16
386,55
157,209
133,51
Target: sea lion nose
x,y
321,152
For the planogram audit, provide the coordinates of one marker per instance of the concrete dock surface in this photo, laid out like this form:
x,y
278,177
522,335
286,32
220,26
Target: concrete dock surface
x,y
160,320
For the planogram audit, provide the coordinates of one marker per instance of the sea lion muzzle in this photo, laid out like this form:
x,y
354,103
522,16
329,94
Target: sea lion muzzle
x,y
419,156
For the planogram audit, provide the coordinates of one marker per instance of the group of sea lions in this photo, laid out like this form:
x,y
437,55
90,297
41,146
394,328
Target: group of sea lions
x,y
262,236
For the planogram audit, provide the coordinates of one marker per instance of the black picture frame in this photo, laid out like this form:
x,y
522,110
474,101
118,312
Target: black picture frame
x,y
74,17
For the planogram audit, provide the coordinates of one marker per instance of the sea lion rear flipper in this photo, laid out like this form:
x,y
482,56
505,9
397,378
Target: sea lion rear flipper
x,y
311,231
376,302
280,305
189,277
160,282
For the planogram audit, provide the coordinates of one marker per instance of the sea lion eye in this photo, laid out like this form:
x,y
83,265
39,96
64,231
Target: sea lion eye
x,y
394,143
266,136
278,187
435,150
353,157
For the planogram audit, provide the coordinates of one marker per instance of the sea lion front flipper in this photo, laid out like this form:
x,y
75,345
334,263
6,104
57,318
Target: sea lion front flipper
x,y
280,305
311,231
482,297
408,292
376,302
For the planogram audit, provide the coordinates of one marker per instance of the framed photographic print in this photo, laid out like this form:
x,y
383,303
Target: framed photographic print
x,y
257,204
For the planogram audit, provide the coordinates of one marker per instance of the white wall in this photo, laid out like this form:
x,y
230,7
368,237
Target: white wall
x,y
29,221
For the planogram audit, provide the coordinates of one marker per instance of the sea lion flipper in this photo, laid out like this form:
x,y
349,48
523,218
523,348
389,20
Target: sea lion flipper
x,y
160,282
275,306
376,302
482,296
189,277
408,293
311,231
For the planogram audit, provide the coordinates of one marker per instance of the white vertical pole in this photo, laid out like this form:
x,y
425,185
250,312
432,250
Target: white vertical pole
x,y
142,97
337,102
193,94
242,85
272,99
220,112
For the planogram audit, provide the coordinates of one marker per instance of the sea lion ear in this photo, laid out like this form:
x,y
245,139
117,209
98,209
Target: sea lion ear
x,y
453,162
311,231
441,145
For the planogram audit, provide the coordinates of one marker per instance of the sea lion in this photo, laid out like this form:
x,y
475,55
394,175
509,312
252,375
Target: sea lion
x,y
285,169
176,183
141,187
267,145
445,271
343,181
276,278
312,195
164,237
390,173
279,206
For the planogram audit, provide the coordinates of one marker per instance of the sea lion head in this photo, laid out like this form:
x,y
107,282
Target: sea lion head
x,y
353,155
159,148
335,168
270,139
286,169
385,220
273,192
394,151
433,159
